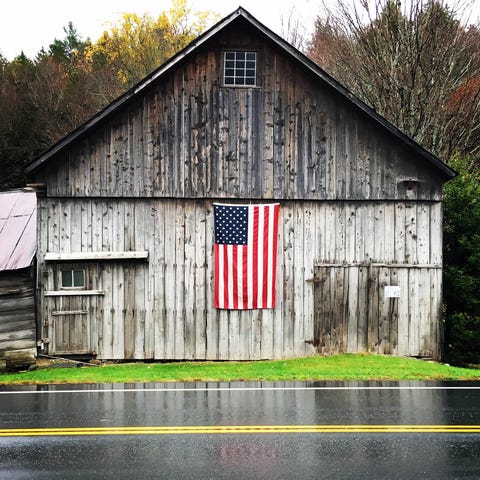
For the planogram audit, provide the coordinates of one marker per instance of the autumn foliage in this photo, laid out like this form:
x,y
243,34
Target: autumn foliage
x,y
45,98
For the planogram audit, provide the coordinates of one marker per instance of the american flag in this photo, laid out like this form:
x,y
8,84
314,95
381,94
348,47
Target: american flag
x,y
245,255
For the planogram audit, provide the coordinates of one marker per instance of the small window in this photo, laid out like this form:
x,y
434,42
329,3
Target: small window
x,y
240,69
73,278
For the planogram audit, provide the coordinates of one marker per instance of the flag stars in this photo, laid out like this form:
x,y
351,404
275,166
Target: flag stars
x,y
231,224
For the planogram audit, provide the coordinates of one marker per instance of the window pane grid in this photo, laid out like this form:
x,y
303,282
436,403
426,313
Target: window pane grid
x,y
73,278
240,68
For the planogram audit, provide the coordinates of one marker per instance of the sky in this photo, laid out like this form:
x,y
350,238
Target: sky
x,y
29,25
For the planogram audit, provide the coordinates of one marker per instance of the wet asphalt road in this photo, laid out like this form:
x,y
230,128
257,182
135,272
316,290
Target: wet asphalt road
x,y
234,455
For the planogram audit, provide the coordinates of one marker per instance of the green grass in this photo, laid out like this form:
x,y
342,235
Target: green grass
x,y
335,367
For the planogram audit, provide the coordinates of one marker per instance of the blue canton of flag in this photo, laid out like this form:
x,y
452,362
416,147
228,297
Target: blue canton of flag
x,y
231,225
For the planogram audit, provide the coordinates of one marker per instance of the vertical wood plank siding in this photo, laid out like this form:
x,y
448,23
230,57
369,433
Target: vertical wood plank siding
x,y
145,178
289,138
163,308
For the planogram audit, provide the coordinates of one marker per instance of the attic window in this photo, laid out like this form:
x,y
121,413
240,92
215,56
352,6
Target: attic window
x,y
240,68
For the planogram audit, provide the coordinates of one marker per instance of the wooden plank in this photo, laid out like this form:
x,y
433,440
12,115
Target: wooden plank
x,y
359,236
170,279
350,224
229,341
436,331
411,233
400,232
212,315
423,233
413,314
384,317
330,232
295,334
72,293
403,312
339,331
200,279
309,252
255,318
272,343
70,312
156,238
179,297
92,256
142,305
378,252
352,312
190,287
283,337
389,233
436,233
426,348
118,312
130,326
363,308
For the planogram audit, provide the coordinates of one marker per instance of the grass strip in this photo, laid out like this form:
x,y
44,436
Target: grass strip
x,y
335,367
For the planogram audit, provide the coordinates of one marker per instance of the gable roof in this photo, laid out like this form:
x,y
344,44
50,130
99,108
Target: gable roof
x,y
282,44
18,229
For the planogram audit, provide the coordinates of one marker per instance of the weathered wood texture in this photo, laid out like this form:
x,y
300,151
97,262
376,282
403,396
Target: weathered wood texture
x,y
17,310
291,137
163,308
144,180
353,314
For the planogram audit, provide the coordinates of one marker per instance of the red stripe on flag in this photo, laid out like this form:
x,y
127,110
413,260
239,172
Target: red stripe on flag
x,y
265,255
245,276
225,277
235,276
254,278
217,276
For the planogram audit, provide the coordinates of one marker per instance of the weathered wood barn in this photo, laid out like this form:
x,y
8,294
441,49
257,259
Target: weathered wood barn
x,y
125,225
18,228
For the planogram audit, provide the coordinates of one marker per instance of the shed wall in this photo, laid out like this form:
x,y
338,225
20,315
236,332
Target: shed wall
x,y
163,308
17,310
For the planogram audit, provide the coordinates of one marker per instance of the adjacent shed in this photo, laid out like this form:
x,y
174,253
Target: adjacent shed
x,y
126,227
18,227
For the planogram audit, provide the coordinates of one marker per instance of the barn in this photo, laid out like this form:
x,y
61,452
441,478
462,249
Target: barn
x,y
126,236
18,228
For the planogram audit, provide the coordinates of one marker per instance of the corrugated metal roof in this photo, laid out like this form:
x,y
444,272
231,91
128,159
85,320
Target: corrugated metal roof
x,y
18,229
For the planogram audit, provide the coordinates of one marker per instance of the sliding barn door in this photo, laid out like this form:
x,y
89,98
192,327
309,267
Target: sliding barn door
x,y
356,308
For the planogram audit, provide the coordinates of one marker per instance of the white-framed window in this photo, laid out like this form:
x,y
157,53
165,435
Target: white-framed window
x,y
240,68
72,278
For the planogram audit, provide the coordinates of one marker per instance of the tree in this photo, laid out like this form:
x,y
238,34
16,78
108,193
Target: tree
x,y
136,45
45,98
415,65
18,124
462,264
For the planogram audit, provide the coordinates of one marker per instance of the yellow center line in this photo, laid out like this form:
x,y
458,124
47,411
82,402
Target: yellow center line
x,y
235,429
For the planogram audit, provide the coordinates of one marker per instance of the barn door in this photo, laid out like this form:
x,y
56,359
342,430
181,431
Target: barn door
x,y
72,310
354,312
71,325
